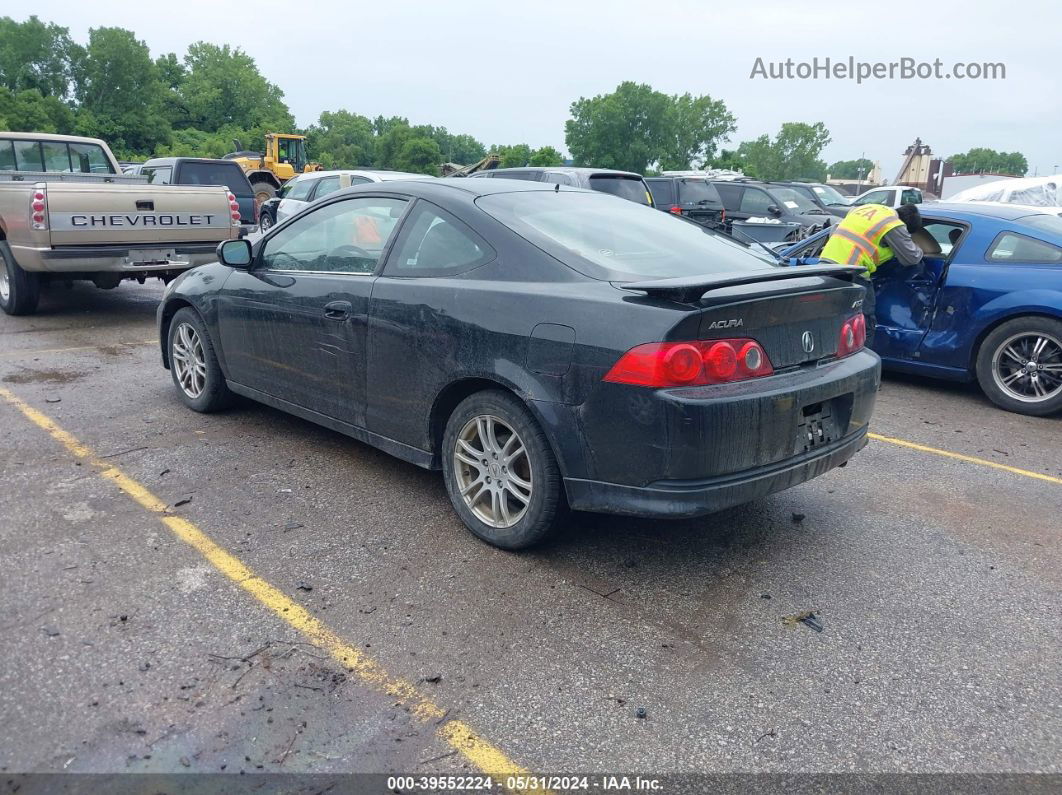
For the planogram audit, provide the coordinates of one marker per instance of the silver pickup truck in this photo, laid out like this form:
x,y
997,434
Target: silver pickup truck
x,y
68,212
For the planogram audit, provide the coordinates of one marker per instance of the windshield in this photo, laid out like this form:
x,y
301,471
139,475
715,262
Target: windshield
x,y
794,199
692,191
620,241
831,196
630,188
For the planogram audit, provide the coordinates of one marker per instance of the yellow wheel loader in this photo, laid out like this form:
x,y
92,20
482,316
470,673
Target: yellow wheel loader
x,y
283,158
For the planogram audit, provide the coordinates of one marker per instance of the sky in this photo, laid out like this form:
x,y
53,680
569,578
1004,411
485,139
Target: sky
x,y
508,72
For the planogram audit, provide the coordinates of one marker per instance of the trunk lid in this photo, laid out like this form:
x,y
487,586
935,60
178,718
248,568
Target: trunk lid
x,y
794,326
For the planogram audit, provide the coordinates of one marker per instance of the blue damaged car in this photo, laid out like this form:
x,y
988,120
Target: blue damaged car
x,y
986,303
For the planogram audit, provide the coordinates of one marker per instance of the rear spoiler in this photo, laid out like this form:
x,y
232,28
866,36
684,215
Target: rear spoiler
x,y
687,289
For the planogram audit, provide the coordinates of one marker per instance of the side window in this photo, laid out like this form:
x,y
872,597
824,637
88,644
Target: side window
x,y
344,237
28,156
662,191
434,243
56,156
300,190
160,175
7,156
89,159
1012,247
947,236
355,180
731,194
911,196
326,185
755,201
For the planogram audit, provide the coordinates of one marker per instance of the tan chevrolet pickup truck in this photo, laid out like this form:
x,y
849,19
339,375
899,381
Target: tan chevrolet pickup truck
x,y
68,212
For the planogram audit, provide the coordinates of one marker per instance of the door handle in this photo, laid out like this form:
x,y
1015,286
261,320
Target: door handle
x,y
338,310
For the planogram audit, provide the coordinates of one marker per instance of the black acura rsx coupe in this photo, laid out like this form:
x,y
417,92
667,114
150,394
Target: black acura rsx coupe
x,y
547,348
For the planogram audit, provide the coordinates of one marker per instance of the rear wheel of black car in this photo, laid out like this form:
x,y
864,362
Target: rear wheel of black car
x,y
194,365
1019,366
500,472
20,290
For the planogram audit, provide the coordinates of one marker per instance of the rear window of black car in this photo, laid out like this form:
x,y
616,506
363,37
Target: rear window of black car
x,y
630,188
663,191
228,174
694,191
617,241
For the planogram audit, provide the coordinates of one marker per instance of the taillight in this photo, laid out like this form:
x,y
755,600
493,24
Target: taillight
x,y
234,208
675,209
695,363
39,207
853,336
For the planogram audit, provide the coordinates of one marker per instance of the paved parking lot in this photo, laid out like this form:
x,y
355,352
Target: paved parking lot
x,y
247,592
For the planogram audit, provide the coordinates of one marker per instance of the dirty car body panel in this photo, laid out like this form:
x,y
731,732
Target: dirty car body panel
x,y
384,351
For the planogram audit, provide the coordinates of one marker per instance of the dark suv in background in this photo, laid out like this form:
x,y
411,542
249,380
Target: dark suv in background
x,y
744,199
625,184
692,197
826,197
205,171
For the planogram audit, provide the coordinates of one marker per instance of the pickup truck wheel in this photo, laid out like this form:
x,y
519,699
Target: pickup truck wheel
x,y
500,472
1019,366
194,365
20,290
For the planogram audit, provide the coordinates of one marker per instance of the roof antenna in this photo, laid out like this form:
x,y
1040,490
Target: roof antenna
x,y
556,188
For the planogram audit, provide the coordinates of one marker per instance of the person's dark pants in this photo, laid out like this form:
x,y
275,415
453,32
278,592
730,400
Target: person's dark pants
x,y
869,307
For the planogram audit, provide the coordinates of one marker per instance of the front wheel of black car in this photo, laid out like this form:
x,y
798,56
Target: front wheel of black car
x,y
1019,366
500,472
194,365
265,222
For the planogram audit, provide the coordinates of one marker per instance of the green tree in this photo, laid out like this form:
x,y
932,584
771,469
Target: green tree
x,y
119,93
546,156
341,139
851,169
980,159
389,143
792,154
419,154
513,156
635,127
730,159
35,55
29,111
224,89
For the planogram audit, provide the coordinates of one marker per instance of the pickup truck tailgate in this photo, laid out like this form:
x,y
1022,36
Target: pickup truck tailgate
x,y
85,214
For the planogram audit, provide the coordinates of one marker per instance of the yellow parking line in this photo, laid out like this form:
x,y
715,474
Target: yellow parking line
x,y
456,733
967,458
42,352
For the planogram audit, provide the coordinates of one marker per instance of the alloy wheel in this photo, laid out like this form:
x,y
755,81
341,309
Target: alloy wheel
x,y
493,471
1028,366
189,363
5,284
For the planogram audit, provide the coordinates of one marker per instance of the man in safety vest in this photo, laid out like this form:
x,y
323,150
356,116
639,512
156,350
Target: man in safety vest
x,y
871,235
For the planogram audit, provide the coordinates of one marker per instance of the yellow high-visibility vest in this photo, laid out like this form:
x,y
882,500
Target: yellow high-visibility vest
x,y
857,239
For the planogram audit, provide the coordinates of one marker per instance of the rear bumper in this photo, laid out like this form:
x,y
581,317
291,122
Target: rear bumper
x,y
127,259
678,499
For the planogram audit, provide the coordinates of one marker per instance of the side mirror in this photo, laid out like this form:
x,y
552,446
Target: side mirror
x,y
774,210
235,253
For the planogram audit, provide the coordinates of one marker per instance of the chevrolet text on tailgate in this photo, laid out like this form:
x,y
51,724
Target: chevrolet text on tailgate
x,y
68,212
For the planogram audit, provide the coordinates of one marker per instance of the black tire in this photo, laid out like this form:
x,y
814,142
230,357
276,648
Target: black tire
x,y
214,393
546,506
20,290
263,190
266,221
995,364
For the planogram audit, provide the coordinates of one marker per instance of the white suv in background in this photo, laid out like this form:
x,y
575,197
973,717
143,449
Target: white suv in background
x,y
307,188
890,195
